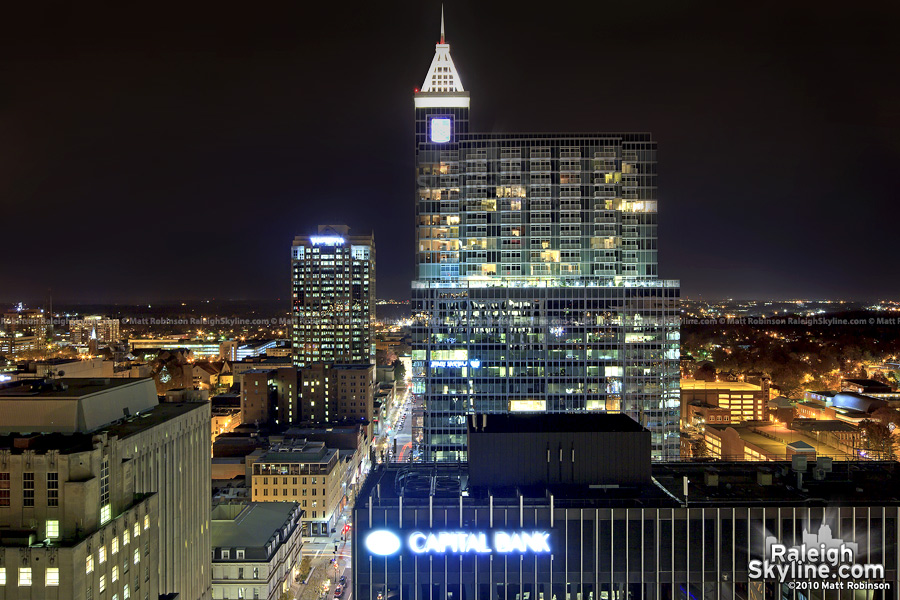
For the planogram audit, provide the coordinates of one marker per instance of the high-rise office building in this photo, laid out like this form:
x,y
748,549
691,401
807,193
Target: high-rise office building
x,y
536,274
333,314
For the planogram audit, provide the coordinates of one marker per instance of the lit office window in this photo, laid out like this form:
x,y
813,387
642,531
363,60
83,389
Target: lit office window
x,y
52,577
105,514
52,529
24,576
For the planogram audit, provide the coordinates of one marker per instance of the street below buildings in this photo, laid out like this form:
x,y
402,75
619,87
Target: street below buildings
x,y
330,559
396,444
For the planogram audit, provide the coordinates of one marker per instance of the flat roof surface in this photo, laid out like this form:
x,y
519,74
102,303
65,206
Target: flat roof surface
x,y
861,483
699,384
776,447
298,456
161,413
68,443
253,527
540,423
74,387
872,382
822,425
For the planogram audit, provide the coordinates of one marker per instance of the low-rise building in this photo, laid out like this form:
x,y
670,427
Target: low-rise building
x,y
256,549
865,386
721,402
837,434
850,407
311,474
353,443
63,368
823,396
224,420
766,442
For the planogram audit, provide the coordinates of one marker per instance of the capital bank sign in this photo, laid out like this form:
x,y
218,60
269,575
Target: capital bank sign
x,y
385,542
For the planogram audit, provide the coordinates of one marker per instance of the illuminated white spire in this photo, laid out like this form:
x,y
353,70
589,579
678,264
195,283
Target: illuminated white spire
x,y
442,76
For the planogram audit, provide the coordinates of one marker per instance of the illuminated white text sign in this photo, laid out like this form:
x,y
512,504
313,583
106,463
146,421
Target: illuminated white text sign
x,y
326,240
385,543
456,364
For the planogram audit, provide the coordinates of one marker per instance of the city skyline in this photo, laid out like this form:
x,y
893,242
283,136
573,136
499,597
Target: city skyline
x,y
160,144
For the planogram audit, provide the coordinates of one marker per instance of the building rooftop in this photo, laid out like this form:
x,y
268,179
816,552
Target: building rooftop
x,y
69,443
699,384
252,526
531,423
781,402
867,383
73,405
774,439
73,387
800,445
738,485
849,483
822,425
313,452
852,401
812,404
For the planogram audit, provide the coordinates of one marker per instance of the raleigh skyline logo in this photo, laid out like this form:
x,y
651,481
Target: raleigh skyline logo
x,y
820,558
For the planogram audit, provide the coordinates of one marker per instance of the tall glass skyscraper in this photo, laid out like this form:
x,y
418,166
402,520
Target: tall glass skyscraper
x,y
536,274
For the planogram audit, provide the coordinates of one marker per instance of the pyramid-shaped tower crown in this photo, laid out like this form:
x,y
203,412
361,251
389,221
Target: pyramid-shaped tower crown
x,y
442,75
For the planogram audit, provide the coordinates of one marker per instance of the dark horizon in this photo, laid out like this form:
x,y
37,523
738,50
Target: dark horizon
x,y
172,156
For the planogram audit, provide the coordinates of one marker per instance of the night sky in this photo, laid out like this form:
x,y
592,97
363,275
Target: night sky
x,y
171,151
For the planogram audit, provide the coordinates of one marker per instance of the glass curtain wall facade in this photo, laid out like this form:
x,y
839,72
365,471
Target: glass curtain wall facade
x,y
536,275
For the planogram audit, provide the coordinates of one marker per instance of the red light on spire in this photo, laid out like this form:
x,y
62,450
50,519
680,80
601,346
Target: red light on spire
x,y
416,90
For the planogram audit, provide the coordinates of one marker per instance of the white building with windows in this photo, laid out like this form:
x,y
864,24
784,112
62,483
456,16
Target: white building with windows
x,y
104,492
256,549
